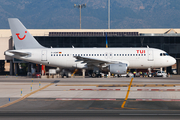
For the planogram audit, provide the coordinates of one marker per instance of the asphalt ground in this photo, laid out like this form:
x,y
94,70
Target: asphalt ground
x,y
94,81
43,101
48,104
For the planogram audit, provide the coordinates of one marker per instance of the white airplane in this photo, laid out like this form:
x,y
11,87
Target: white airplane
x,y
116,60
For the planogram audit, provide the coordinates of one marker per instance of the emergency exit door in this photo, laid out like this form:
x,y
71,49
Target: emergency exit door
x,y
44,55
150,55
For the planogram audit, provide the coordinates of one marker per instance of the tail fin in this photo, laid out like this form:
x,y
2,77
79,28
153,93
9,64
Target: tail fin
x,y
22,38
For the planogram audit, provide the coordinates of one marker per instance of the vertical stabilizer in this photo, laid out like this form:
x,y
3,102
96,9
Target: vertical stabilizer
x,y
22,38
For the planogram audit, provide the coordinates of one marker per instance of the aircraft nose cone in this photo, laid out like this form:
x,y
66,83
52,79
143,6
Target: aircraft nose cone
x,y
173,61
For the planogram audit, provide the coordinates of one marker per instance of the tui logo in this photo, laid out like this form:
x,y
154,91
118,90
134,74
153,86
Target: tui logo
x,y
19,37
141,51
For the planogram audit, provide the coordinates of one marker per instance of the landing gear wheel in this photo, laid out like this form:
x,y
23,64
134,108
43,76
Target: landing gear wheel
x,y
93,75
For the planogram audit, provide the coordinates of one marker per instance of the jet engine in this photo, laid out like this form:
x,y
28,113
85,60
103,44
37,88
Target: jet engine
x,y
118,68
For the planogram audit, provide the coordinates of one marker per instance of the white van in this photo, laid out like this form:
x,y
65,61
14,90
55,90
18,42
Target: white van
x,y
161,74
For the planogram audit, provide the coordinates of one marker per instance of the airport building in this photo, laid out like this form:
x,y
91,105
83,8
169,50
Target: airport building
x,y
165,39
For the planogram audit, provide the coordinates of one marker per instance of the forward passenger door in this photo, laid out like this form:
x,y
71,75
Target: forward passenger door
x,y
150,55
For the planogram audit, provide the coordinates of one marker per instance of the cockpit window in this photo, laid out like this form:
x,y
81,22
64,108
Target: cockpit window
x,y
164,54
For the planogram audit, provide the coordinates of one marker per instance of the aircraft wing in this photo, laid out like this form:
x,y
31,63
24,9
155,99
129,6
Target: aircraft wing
x,y
94,61
17,52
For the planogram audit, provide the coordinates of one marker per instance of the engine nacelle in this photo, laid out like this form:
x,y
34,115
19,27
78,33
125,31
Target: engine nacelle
x,y
118,68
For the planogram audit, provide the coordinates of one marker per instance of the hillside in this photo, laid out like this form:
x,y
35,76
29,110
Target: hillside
x,y
60,14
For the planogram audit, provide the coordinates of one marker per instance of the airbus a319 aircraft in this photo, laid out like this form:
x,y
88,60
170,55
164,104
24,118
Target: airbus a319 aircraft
x,y
116,60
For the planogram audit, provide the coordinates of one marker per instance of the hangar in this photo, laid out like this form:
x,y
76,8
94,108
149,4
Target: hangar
x,y
165,39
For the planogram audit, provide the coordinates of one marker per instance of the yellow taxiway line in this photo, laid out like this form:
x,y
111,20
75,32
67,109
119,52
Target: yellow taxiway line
x,y
74,72
122,106
22,98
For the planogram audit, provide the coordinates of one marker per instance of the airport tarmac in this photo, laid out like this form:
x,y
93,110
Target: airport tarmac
x,y
90,96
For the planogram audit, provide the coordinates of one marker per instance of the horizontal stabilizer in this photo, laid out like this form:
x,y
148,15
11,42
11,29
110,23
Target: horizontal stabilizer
x,y
16,52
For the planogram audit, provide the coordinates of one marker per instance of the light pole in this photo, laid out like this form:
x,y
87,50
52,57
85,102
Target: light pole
x,y
109,14
80,6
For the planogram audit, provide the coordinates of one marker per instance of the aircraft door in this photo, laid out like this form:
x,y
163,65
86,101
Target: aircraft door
x,y
150,55
44,55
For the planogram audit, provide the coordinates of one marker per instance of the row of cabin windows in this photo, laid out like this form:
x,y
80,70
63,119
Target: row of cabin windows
x,y
99,54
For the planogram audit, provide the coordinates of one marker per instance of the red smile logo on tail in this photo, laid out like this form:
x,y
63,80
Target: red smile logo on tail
x,y
19,37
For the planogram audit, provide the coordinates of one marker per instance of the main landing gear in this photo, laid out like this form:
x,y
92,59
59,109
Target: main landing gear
x,y
64,73
95,74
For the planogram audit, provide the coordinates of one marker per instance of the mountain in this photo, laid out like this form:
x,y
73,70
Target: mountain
x,y
61,14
